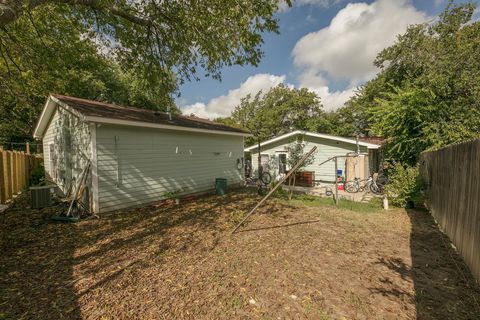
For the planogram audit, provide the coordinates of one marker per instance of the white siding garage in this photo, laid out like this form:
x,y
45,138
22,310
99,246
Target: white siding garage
x,y
140,165
137,156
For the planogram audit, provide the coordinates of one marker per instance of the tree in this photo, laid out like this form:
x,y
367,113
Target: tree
x,y
295,154
427,94
282,109
126,52
164,41
33,66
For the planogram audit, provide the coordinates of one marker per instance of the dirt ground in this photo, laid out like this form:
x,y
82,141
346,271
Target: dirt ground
x,y
291,261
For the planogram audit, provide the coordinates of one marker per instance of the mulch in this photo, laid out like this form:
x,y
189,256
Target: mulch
x,y
170,261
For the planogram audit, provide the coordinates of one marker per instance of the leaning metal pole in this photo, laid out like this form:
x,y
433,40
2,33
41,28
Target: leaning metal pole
x,y
299,163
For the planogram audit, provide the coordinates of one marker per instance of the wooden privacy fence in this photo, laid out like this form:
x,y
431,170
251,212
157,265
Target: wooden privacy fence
x,y
16,168
452,176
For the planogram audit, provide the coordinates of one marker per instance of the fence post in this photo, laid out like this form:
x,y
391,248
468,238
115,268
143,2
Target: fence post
x,y
27,148
3,193
14,173
23,171
27,170
8,175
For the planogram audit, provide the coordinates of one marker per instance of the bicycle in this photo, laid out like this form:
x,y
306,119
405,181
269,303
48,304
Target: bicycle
x,y
264,180
354,185
374,185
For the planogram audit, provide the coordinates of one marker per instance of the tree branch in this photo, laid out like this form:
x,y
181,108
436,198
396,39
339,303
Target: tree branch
x,y
11,10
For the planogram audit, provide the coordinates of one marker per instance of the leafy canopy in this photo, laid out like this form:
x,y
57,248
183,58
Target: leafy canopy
x,y
427,94
280,110
164,41
33,65
127,52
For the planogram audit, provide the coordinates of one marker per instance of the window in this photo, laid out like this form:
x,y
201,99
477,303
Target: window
x,y
282,163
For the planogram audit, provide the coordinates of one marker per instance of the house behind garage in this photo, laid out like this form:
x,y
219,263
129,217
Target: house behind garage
x,y
137,156
274,154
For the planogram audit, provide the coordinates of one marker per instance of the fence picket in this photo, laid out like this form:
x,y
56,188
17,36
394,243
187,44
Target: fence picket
x,y
453,190
15,170
8,175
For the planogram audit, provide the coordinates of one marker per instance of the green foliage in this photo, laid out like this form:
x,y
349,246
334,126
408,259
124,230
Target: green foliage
x,y
315,201
280,110
32,65
296,153
127,52
37,176
410,121
342,122
427,94
405,186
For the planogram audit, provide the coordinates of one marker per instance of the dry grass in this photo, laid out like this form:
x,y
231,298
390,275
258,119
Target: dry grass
x,y
298,260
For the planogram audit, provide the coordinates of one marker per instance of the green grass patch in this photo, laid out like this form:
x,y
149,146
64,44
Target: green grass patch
x,y
374,205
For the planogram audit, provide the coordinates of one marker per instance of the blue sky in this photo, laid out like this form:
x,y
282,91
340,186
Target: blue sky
x,y
327,46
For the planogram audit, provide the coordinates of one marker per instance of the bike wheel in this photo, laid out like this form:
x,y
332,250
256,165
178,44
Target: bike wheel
x,y
351,187
376,189
266,178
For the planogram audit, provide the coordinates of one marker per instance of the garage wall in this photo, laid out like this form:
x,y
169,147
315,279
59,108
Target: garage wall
x,y
67,139
326,148
140,165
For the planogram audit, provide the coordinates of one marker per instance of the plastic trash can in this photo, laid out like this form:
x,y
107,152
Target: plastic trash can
x,y
221,186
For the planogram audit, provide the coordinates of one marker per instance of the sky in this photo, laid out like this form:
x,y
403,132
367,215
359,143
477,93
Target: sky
x,y
327,46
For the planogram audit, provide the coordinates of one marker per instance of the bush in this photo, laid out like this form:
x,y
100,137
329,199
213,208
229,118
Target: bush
x,y
405,186
37,176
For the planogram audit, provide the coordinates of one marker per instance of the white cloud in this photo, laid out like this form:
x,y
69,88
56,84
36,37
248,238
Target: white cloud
x,y
345,49
223,106
319,85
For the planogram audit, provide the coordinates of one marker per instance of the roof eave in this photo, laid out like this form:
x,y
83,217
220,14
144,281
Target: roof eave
x,y
45,116
47,113
162,126
318,135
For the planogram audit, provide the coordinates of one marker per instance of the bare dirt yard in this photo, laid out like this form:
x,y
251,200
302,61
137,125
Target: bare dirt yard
x,y
303,259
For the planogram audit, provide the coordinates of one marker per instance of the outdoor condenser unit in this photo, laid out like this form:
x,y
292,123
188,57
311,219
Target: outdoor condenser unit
x,y
40,196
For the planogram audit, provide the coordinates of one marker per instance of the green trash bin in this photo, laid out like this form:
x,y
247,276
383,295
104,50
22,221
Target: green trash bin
x,y
221,186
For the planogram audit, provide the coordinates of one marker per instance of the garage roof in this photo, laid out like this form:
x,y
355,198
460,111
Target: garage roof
x,y
101,112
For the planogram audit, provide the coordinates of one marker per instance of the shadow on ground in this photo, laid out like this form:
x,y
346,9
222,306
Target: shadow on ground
x,y
444,288
183,262
47,268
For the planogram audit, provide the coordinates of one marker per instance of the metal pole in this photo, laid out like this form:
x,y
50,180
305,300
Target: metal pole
x,y
260,168
336,182
299,163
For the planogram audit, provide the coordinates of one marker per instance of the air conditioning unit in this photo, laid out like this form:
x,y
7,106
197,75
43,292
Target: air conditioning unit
x,y
41,196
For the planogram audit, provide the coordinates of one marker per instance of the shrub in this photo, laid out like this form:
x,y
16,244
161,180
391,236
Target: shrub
x,y
37,176
405,186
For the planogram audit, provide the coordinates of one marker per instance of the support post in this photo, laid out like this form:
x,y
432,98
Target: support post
x,y
336,181
8,175
27,147
299,163
14,173
259,163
